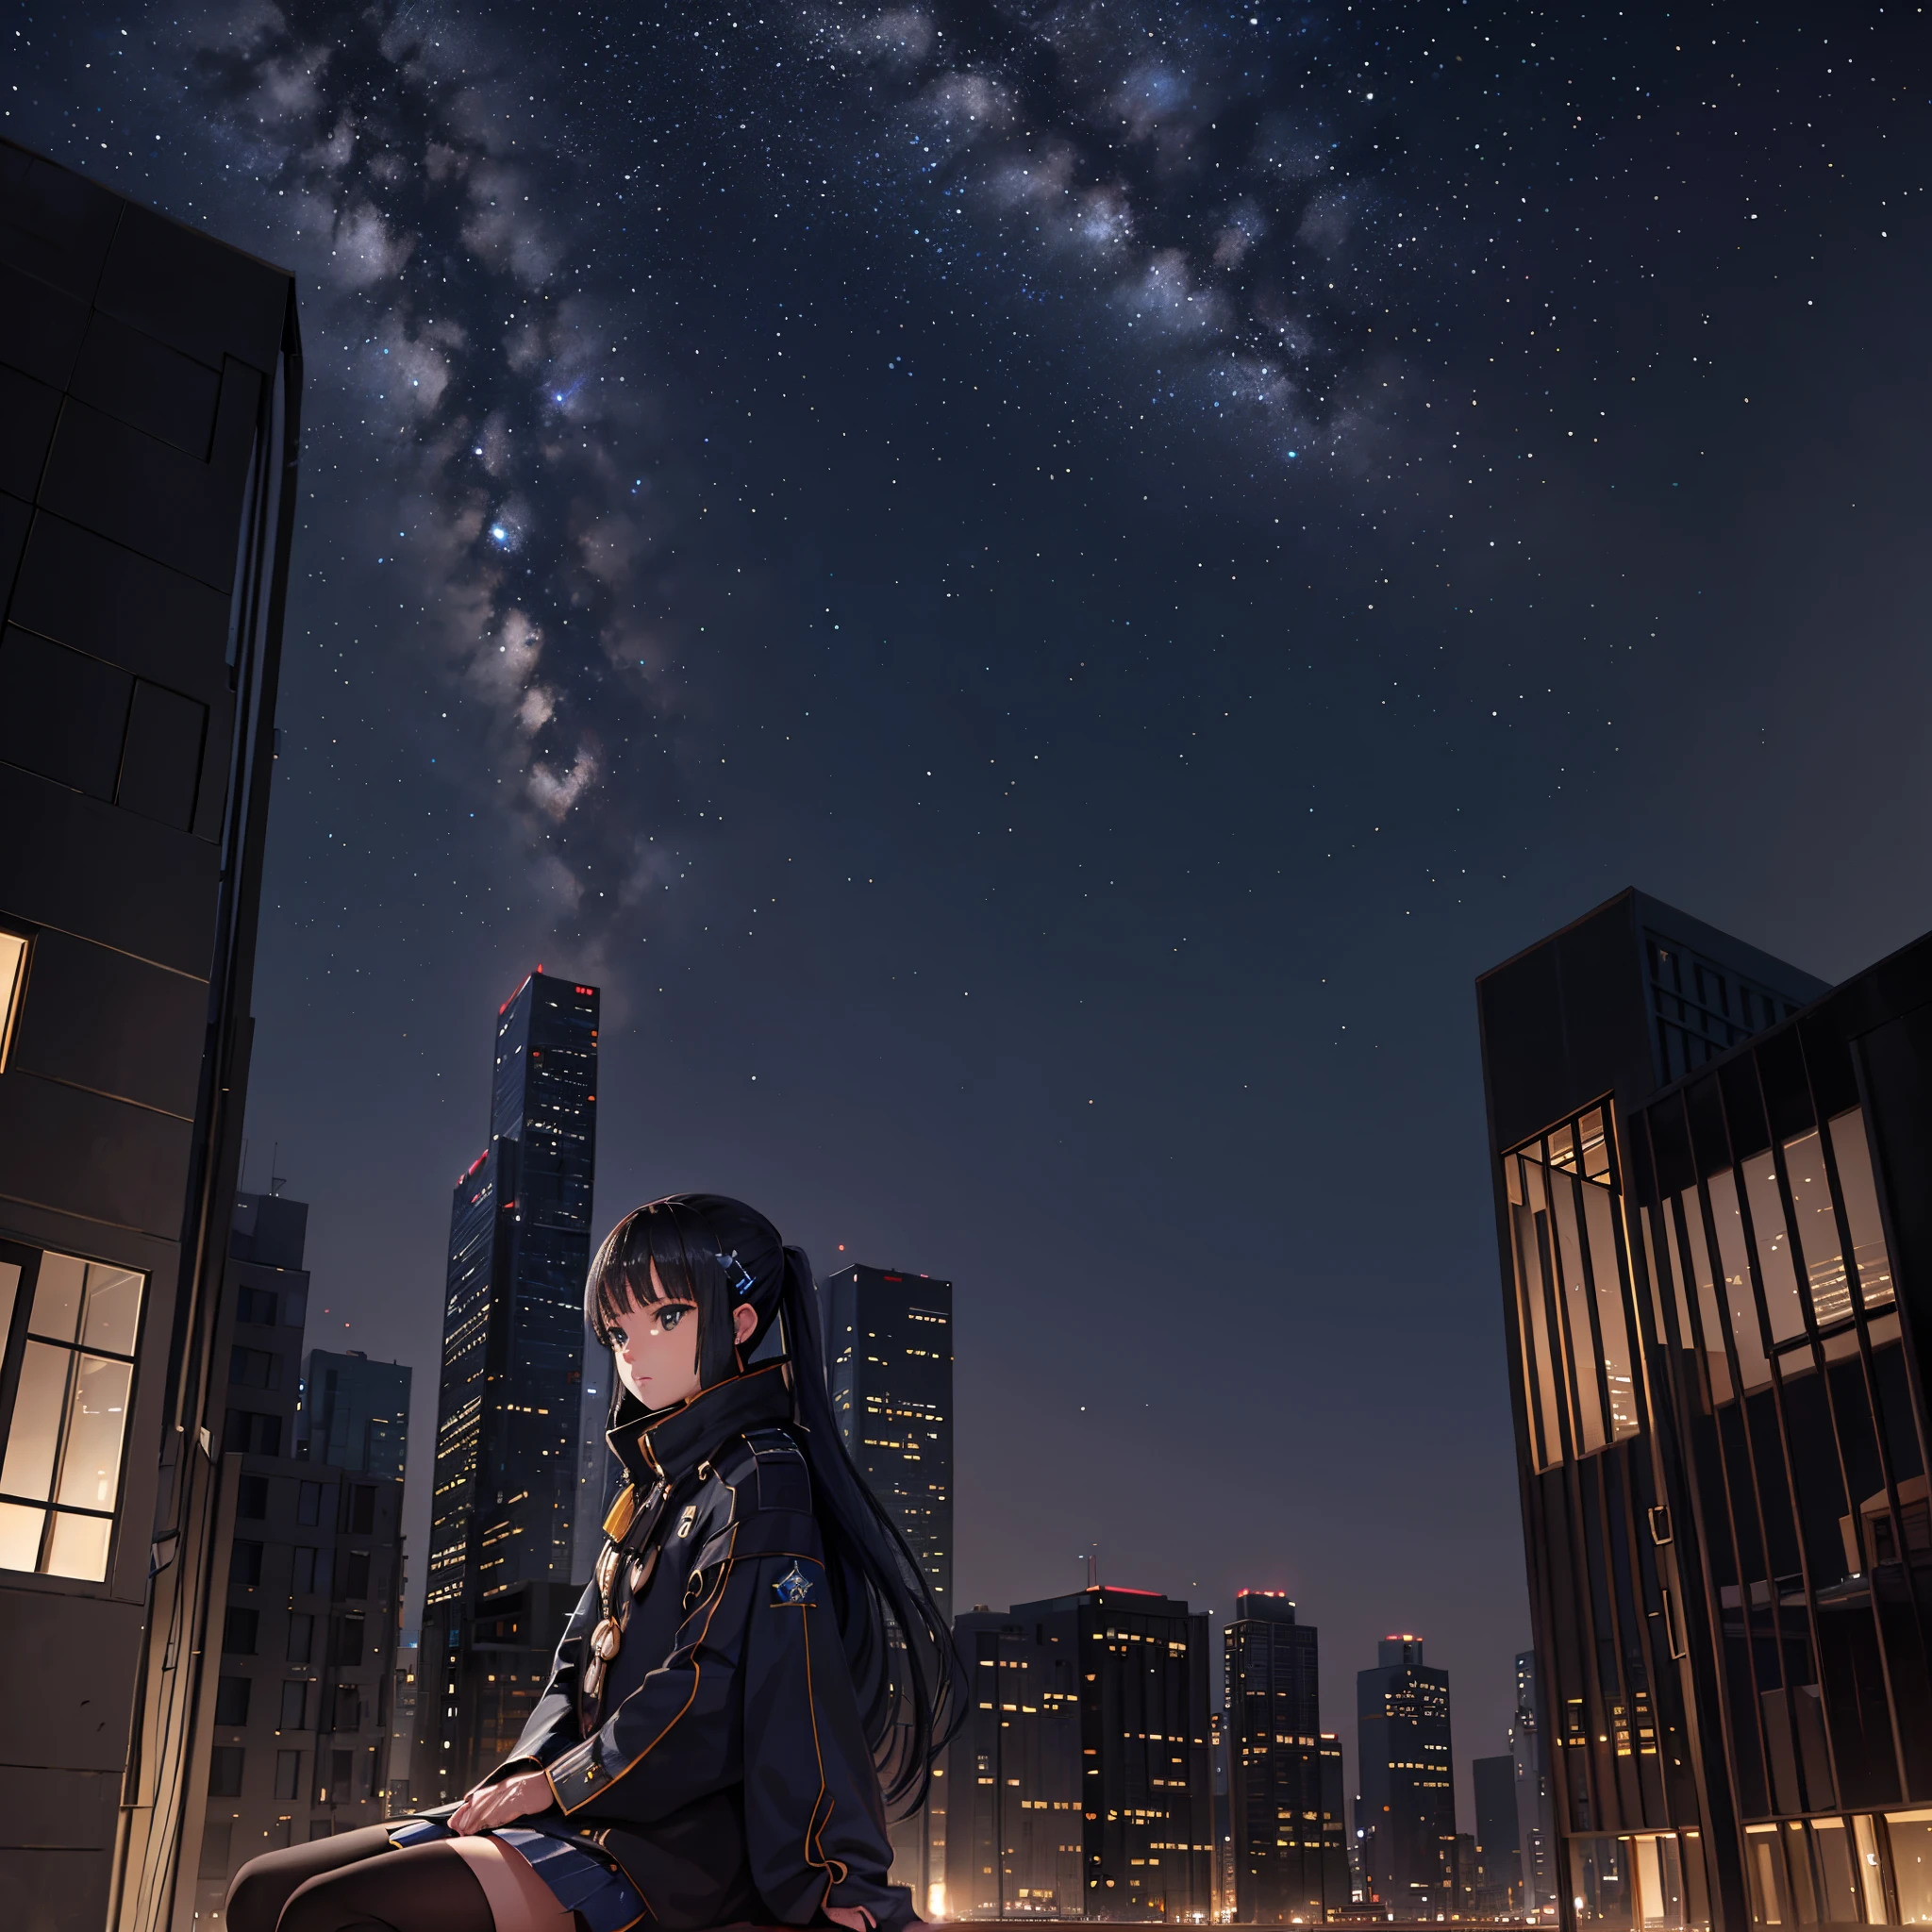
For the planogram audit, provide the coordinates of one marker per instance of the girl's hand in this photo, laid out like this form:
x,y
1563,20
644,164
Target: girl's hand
x,y
854,1918
493,1805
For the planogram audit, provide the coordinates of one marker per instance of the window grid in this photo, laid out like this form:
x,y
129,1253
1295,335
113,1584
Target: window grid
x,y
16,948
1572,1292
1779,1271
66,1380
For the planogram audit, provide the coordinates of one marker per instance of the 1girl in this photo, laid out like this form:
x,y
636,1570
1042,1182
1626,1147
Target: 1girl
x,y
755,1672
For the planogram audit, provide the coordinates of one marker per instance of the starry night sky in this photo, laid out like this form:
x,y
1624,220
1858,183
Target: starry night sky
x,y
1033,590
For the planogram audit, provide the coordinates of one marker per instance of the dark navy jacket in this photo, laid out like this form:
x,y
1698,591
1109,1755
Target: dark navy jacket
x,y
726,1766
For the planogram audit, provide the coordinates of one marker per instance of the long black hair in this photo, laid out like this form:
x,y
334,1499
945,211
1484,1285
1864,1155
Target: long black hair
x,y
719,1255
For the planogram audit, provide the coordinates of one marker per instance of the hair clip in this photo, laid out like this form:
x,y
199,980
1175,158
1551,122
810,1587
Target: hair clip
x,y
741,1281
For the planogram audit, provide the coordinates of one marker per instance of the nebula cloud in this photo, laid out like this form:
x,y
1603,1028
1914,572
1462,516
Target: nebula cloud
x,y
1147,157
500,405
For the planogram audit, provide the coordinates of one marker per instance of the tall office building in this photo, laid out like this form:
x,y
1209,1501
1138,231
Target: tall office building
x,y
599,1472
1407,1791
1498,1890
354,1413
1082,1781
1536,1826
501,1538
889,1349
1222,1876
889,1354
1712,1217
1290,1856
401,1741
297,1742
149,384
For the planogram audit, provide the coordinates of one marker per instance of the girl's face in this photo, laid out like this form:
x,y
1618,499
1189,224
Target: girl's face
x,y
656,1348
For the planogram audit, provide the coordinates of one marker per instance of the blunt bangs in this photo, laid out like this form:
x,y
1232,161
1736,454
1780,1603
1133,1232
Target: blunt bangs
x,y
650,1256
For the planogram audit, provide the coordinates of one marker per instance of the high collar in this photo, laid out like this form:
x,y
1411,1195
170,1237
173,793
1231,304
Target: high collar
x,y
669,1445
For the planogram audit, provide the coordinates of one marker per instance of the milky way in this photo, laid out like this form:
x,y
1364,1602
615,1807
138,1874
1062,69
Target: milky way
x,y
493,390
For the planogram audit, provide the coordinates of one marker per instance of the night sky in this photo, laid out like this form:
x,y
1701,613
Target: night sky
x,y
1033,590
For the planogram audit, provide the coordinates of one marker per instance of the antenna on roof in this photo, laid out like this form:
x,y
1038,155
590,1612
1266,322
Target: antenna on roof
x,y
274,1179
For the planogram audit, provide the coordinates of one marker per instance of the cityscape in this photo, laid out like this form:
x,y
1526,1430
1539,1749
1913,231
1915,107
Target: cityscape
x,y
1217,1229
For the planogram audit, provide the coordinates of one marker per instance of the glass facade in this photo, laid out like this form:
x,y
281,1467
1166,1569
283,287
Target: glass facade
x,y
1723,1427
13,952
1572,1289
1778,1322
68,1327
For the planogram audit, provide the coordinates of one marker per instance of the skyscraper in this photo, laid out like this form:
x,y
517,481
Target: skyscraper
x,y
501,1542
1290,1857
1408,1801
1717,1270
354,1413
1222,1874
889,1352
1536,1829
1498,1836
297,1743
150,384
1082,1776
599,1472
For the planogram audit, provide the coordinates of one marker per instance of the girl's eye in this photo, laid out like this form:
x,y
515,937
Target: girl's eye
x,y
670,1319
617,1337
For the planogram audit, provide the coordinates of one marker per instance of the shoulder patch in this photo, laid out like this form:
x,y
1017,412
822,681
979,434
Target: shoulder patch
x,y
784,1481
794,1591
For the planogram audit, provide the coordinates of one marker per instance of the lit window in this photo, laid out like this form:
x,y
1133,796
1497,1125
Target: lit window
x,y
70,1326
13,950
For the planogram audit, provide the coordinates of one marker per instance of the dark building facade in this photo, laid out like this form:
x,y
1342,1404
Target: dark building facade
x,y
299,1733
1713,1220
1290,1837
1082,1781
354,1413
1222,1875
1536,1825
1498,1889
1407,1802
889,1356
599,1472
149,382
508,1464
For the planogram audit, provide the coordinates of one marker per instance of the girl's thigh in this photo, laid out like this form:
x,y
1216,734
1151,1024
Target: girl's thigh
x,y
259,1891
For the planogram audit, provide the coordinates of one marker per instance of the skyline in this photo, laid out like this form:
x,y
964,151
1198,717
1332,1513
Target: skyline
x,y
1177,1079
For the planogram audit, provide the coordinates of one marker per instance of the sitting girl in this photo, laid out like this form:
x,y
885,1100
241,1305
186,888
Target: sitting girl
x,y
757,1670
